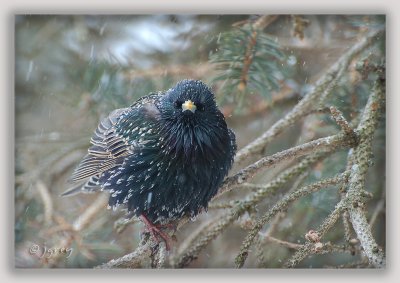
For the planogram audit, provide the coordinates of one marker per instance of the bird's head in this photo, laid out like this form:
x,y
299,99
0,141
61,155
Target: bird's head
x,y
188,100
191,117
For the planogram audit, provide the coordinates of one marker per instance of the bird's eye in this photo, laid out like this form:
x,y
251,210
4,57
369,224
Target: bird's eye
x,y
200,106
178,104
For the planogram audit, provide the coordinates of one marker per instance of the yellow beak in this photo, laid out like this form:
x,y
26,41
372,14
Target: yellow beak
x,y
189,105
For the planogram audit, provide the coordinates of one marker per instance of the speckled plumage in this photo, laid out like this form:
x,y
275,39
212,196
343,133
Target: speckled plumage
x,y
159,160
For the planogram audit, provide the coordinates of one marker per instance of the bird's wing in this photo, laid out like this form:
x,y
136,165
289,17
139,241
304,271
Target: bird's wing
x,y
110,146
106,148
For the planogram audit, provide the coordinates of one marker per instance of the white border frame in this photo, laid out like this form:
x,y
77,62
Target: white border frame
x,y
10,8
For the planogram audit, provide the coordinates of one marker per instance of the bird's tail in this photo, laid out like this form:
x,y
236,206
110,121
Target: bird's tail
x,y
88,187
72,191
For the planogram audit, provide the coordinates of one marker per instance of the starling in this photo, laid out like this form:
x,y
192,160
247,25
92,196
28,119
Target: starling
x,y
164,157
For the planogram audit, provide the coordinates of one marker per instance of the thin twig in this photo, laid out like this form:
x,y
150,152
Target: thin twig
x,y
347,227
86,217
337,115
379,208
70,231
221,205
275,222
48,163
280,206
310,247
121,224
299,24
47,201
161,256
289,245
259,252
197,71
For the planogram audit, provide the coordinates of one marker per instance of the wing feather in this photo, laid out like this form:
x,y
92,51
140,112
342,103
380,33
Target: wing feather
x,y
106,149
109,147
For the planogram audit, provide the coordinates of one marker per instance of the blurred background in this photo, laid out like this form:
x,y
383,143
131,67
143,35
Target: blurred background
x,y
70,71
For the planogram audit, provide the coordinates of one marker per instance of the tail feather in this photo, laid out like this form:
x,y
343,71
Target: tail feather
x,y
90,186
73,191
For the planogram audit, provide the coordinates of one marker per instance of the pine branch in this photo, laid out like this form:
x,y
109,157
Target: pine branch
x,y
289,245
248,60
47,201
281,206
91,212
342,122
312,99
325,143
299,24
140,258
361,158
354,200
312,247
379,208
197,243
196,71
257,27
82,222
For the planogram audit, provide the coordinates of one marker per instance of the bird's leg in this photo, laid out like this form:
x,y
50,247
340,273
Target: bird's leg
x,y
155,231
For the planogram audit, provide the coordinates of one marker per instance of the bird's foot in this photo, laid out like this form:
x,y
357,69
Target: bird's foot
x,y
156,232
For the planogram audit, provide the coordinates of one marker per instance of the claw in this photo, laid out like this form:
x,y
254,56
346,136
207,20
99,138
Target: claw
x,y
156,232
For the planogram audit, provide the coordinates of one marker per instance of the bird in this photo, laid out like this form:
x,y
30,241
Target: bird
x,y
162,158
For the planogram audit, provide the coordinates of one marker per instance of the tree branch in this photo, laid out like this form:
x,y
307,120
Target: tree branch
x,y
140,258
313,98
311,247
325,143
341,121
280,206
258,26
198,242
289,245
361,159
47,201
